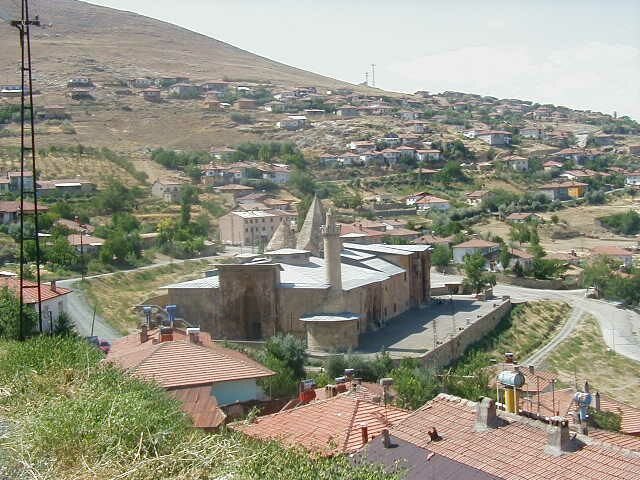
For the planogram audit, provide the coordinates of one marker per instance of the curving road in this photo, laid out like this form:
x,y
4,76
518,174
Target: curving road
x,y
82,312
620,327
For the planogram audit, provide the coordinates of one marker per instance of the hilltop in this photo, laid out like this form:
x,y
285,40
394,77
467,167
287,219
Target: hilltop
x,y
80,39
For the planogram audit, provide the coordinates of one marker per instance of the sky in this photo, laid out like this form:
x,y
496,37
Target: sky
x,y
578,53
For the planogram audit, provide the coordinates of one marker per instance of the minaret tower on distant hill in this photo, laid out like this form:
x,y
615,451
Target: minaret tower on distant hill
x,y
332,249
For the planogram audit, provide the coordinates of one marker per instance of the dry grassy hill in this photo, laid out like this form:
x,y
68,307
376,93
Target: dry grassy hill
x,y
83,40
101,42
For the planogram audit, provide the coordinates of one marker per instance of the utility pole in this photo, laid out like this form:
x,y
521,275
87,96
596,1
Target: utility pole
x,y
373,74
366,78
27,149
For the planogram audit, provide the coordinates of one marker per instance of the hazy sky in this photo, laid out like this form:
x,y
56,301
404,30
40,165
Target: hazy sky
x,y
578,53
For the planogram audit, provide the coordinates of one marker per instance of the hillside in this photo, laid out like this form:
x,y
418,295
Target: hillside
x,y
80,39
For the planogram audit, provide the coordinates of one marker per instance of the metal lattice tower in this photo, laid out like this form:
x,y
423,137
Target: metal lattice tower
x,y
27,152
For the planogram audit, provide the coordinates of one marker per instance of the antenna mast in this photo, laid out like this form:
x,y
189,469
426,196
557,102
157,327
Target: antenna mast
x,y
373,74
366,78
27,149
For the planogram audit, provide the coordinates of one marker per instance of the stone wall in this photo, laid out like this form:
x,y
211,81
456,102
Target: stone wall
x,y
450,351
332,336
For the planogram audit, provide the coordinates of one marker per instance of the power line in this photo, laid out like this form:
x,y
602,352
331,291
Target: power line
x,y
27,148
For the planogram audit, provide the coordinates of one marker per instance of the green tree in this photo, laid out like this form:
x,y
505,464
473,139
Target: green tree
x,y
414,384
10,313
597,274
441,256
189,195
505,257
475,275
285,355
62,254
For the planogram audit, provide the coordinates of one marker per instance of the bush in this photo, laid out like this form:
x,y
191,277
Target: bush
x,y
242,118
627,223
605,420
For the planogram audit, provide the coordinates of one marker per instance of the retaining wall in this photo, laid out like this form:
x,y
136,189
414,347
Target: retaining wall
x,y
450,351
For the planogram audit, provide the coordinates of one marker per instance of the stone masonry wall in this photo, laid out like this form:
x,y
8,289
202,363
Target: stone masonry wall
x,y
450,351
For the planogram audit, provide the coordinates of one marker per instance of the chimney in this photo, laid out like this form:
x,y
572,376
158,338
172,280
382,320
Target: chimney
x,y
365,433
144,335
486,416
433,434
532,369
386,440
166,334
597,407
558,440
193,335
332,248
53,286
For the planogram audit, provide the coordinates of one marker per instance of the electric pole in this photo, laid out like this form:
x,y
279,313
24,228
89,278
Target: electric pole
x,y
27,149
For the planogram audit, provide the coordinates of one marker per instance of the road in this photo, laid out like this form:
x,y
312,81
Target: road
x,y
82,312
620,327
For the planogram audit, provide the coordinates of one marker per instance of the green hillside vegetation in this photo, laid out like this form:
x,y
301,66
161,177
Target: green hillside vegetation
x,y
71,416
627,223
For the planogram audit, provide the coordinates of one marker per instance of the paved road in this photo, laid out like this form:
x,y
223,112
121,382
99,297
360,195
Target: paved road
x,y
540,355
620,327
81,311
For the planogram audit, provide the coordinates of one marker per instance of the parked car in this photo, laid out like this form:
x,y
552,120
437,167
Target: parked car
x,y
105,346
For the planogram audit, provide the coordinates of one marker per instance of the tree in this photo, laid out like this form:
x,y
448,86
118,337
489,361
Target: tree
x,y
62,254
414,384
10,314
285,355
505,257
441,257
188,196
475,276
597,273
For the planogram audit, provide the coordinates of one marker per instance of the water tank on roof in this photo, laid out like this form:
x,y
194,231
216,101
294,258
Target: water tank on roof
x,y
511,378
340,380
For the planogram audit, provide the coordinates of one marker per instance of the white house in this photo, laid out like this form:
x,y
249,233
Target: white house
x,y
347,111
292,122
349,158
472,246
533,131
475,198
632,178
278,173
516,163
428,155
430,202
390,155
497,138
362,146
52,298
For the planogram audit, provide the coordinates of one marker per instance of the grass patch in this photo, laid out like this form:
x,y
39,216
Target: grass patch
x,y
71,416
527,327
585,356
524,330
115,294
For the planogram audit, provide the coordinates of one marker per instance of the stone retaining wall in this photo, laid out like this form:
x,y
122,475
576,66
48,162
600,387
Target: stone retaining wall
x,y
450,351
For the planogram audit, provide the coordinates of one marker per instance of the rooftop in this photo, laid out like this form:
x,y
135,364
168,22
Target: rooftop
x,y
48,291
180,363
328,427
514,450
476,243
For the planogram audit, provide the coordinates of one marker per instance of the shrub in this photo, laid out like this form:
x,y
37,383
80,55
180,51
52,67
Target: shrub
x,y
627,223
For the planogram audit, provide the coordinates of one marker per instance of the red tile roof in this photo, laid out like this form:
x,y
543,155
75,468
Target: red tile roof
x,y
612,250
13,206
328,427
200,405
30,289
476,243
516,449
179,363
